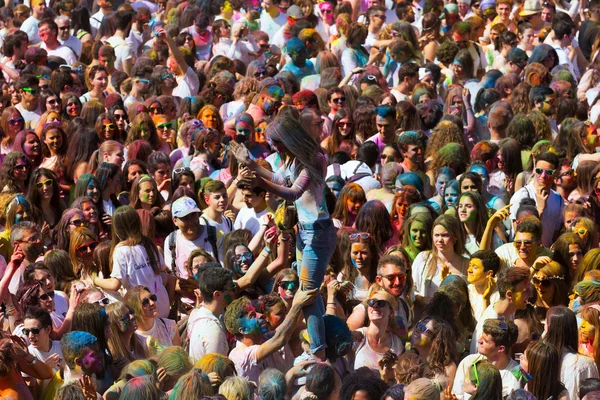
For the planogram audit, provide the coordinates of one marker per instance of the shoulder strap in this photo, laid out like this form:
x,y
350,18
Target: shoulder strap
x,y
211,232
336,169
173,250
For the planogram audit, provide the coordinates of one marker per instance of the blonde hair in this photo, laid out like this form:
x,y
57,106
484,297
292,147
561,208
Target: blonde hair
x,y
237,388
116,311
78,236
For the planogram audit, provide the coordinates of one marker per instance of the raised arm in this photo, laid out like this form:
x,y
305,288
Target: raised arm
x,y
500,215
174,49
286,329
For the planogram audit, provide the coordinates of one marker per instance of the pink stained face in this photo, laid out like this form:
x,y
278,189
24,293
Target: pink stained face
x,y
91,362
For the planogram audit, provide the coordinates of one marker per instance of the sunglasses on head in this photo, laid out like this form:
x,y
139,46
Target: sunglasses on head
x,y
376,303
102,302
359,236
289,285
407,190
35,331
548,172
47,182
30,90
146,301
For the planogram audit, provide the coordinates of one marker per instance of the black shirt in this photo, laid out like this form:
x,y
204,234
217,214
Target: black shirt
x,y
587,35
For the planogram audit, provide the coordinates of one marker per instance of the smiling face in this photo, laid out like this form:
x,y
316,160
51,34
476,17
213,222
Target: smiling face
x,y
40,340
54,140
242,259
89,212
150,309
45,187
73,108
147,193
288,287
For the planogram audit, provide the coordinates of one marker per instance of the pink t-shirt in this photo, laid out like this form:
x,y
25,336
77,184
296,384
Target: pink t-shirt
x,y
244,358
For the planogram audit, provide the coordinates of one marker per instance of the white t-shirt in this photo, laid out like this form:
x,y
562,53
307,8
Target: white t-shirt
x,y
508,254
73,43
187,85
183,248
425,286
574,369
163,331
55,348
32,118
249,219
207,334
109,207
30,27
477,301
509,381
489,313
131,266
366,356
61,305
552,219
122,49
62,51
271,25
246,365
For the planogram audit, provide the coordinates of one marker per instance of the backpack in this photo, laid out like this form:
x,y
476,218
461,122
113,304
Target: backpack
x,y
211,233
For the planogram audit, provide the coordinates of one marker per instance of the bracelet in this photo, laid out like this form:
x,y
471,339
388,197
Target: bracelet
x,y
331,303
267,250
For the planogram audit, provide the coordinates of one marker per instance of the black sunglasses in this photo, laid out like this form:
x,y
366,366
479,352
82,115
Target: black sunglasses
x,y
146,301
35,331
376,302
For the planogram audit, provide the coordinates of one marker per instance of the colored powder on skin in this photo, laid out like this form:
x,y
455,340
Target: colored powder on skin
x,y
354,263
250,325
275,91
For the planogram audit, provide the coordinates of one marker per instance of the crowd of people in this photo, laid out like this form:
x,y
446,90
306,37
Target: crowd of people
x,y
299,199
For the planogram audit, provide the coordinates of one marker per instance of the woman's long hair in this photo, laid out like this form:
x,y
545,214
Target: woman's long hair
x,y
134,195
127,230
350,272
82,144
427,221
7,170
443,347
374,218
304,149
34,197
561,330
591,315
336,137
116,311
92,318
353,192
78,237
544,366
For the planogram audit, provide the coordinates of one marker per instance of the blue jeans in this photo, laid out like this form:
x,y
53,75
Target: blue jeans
x,y
316,243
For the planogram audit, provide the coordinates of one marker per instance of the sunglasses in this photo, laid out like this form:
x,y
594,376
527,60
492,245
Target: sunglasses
x,y
146,301
376,303
474,365
521,243
16,121
548,172
345,124
21,167
30,90
35,331
180,170
52,101
119,117
401,278
258,74
47,182
461,43
423,329
289,285
359,236
138,80
380,16
165,126
156,109
339,100
130,317
247,256
45,297
579,231
544,282
102,302
88,247
78,223
167,76
65,28
110,126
